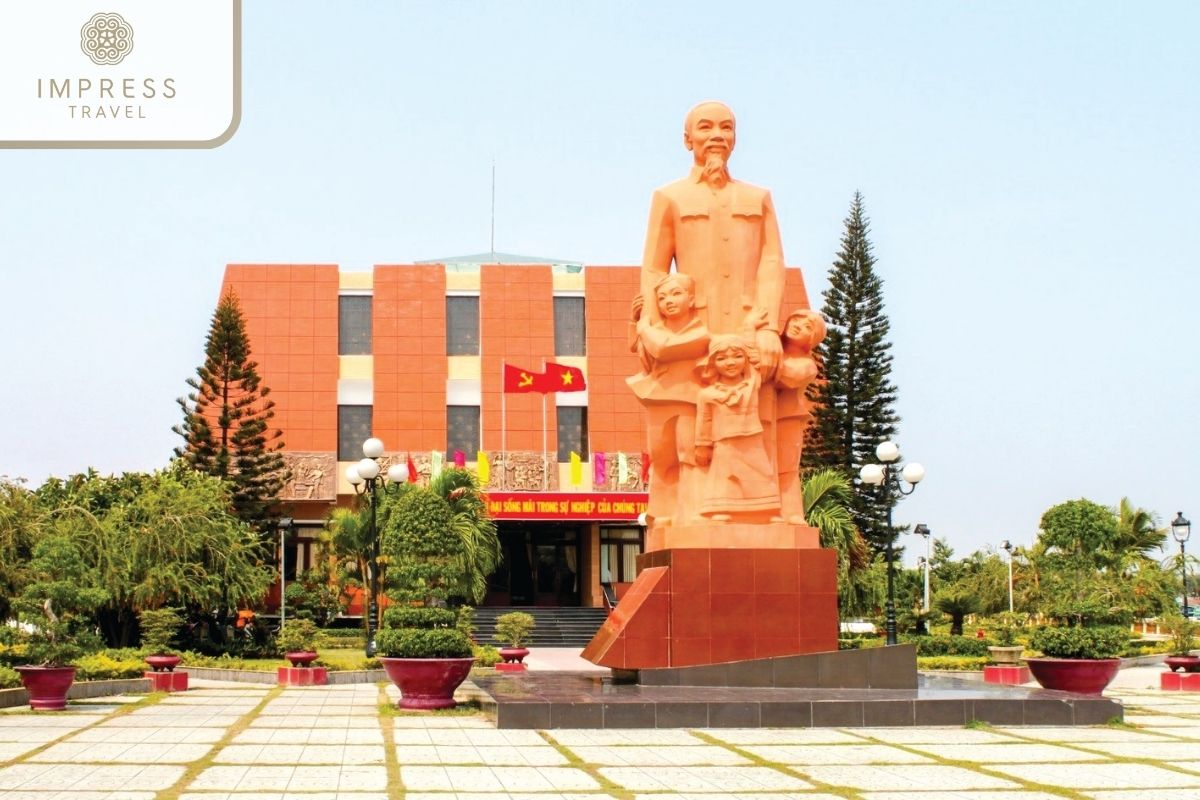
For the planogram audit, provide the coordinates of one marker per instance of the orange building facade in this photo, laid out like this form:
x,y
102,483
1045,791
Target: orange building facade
x,y
414,354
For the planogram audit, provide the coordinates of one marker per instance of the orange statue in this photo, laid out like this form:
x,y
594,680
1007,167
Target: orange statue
x,y
668,351
740,480
802,331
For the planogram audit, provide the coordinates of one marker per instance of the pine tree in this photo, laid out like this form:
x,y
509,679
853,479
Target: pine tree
x,y
854,398
226,419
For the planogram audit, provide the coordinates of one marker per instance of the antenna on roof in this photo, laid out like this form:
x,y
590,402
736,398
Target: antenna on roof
x,y
493,241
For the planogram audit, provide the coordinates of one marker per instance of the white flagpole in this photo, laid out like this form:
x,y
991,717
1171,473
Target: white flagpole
x,y
503,428
545,454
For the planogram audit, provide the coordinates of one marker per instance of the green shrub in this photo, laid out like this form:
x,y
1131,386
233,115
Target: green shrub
x,y
1060,641
861,642
418,643
426,618
9,679
158,626
486,655
103,666
948,645
299,636
343,637
952,663
514,628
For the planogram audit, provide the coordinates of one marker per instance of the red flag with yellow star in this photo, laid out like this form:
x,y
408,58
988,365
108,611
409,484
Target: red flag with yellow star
x,y
561,378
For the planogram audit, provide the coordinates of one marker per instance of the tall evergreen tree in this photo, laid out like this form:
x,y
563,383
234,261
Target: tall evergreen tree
x,y
226,419
854,398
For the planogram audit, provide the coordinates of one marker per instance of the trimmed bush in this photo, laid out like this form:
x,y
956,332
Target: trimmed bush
x,y
952,663
948,645
418,643
426,618
514,628
103,666
9,679
486,655
1077,642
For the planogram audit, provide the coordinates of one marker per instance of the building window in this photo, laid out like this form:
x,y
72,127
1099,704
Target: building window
x,y
462,326
569,329
354,325
354,428
619,549
572,432
462,431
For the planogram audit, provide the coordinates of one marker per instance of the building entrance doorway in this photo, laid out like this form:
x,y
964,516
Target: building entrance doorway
x,y
539,567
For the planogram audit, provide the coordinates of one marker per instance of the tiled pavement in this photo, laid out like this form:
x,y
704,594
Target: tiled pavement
x,y
243,742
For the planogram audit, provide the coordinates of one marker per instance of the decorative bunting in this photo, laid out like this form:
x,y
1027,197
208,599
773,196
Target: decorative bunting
x,y
460,459
645,469
435,463
482,468
576,469
599,469
413,475
622,468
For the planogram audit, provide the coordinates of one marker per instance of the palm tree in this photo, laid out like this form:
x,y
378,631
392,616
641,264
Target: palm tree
x,y
827,497
481,547
958,600
349,538
1137,531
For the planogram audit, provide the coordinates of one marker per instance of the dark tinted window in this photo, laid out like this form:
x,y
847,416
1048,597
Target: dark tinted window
x,y
462,431
354,325
354,428
569,328
572,432
462,326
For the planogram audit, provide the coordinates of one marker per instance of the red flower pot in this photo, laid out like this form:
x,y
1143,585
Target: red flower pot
x,y
427,683
163,663
1183,663
512,659
1082,676
47,686
301,658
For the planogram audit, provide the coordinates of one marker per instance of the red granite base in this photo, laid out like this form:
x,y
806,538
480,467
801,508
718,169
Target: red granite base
x,y
513,666
167,681
1180,681
693,606
302,676
1007,674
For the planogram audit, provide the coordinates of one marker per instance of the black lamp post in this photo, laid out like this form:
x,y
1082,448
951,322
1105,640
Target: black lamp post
x,y
885,474
1181,529
365,477
284,525
1011,550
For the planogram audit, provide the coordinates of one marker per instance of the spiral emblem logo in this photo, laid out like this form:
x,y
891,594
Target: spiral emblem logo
x,y
106,38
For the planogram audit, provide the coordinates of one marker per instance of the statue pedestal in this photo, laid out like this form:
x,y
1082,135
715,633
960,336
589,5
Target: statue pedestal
x,y
710,605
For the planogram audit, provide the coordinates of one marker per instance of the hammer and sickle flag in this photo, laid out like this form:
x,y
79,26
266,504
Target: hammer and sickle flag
x,y
521,381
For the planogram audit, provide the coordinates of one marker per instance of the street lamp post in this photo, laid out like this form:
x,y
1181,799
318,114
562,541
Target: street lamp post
x,y
366,479
1008,547
1181,529
884,474
284,525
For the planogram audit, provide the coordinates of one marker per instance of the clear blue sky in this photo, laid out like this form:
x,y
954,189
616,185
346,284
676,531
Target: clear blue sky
x,y
1030,170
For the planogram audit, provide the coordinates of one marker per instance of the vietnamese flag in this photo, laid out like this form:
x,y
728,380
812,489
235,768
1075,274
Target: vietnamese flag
x,y
520,381
561,378
413,475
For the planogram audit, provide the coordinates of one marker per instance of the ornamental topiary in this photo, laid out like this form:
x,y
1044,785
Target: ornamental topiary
x,y
158,626
514,628
1060,641
423,643
299,636
423,551
411,617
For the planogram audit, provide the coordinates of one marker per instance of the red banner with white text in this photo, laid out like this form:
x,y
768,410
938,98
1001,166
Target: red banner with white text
x,y
567,506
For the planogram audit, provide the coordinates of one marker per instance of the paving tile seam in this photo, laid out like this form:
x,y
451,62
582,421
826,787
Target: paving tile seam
x,y
387,729
608,786
791,771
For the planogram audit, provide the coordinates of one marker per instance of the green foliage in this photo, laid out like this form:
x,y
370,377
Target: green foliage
x,y
19,523
227,420
854,398
1006,626
158,626
420,643
480,553
424,551
1062,641
957,600
108,666
313,596
58,600
486,655
952,663
1183,634
419,617
827,498
514,628
948,645
1079,529
299,636
10,679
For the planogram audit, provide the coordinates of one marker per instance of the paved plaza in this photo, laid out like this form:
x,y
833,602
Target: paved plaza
x,y
246,742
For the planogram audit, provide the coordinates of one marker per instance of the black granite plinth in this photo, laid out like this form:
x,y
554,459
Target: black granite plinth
x,y
873,668
547,700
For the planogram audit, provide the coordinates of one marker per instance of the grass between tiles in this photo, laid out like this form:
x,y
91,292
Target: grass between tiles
x,y
193,769
619,792
791,771
395,786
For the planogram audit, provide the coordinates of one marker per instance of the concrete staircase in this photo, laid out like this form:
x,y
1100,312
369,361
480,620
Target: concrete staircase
x,y
554,626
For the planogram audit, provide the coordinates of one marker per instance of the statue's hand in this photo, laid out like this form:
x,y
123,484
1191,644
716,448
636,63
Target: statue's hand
x,y
769,351
637,307
703,455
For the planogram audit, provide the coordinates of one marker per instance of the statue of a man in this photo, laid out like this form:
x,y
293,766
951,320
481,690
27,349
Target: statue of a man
x,y
723,233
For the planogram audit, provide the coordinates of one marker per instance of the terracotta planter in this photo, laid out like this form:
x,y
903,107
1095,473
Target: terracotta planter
x,y
427,683
1083,676
1183,663
163,663
47,686
301,658
1006,654
512,659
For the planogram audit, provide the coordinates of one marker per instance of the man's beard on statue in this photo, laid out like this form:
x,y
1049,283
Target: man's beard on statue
x,y
715,174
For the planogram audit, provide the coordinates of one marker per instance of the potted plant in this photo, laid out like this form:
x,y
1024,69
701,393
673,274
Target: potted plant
x,y
1006,650
158,627
421,647
1183,639
1077,658
513,628
56,604
299,640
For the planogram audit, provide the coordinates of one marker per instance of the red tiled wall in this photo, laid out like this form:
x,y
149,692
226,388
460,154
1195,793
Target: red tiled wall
x,y
291,315
409,344
516,318
614,414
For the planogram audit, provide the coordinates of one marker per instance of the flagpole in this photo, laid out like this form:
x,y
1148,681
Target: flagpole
x,y
503,428
545,459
